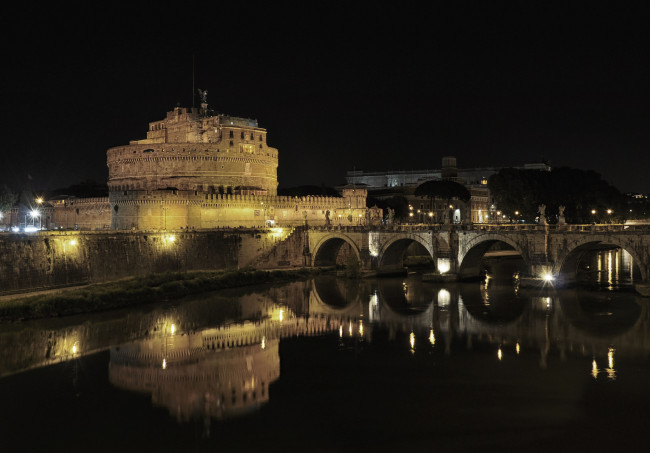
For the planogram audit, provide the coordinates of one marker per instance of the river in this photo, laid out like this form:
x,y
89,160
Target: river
x,y
333,364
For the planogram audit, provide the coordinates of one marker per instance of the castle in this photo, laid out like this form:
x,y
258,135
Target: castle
x,y
200,169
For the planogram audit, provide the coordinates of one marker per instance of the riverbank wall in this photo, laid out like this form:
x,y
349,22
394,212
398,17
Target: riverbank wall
x,y
51,259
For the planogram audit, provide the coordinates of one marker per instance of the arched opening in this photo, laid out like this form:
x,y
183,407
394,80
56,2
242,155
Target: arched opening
x,y
494,258
601,265
405,253
336,251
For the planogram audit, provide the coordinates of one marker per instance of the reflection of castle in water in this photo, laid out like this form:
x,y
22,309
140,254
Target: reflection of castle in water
x,y
185,374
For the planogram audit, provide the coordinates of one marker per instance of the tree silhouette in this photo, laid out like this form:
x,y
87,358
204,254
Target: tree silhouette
x,y
445,189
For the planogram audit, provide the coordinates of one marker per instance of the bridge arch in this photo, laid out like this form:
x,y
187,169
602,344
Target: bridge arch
x,y
392,252
569,256
328,247
471,254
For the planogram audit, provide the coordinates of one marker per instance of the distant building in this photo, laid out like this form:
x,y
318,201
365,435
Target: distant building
x,y
479,209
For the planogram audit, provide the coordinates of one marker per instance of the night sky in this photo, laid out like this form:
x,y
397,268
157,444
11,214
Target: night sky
x,y
338,87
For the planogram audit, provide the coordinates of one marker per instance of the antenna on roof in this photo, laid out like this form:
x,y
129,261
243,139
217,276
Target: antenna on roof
x,y
193,91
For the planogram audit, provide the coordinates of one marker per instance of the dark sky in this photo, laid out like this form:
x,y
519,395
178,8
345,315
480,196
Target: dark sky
x,y
338,87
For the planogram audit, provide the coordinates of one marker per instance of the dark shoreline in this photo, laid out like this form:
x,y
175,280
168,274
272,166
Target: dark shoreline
x,y
139,291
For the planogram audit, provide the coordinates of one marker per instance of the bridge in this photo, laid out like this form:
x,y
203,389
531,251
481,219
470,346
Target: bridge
x,y
458,249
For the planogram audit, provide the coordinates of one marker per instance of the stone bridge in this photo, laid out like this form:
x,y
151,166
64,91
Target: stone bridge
x,y
545,249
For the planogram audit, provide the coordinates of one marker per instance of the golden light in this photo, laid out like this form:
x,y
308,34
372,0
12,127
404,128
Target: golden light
x,y
281,315
432,338
74,349
72,242
264,342
593,211
341,331
451,206
361,327
350,329
609,211
431,214
594,369
164,364
444,264
499,354
278,232
39,200
412,340
548,277
173,329
410,214
516,212
517,348
610,357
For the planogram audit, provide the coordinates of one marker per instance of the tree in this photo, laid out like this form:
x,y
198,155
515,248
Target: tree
x,y
444,189
580,191
7,199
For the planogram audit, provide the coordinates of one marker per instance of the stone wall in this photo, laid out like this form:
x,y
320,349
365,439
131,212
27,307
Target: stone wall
x,y
49,259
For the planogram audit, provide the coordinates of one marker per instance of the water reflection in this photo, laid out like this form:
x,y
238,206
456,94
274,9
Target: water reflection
x,y
215,357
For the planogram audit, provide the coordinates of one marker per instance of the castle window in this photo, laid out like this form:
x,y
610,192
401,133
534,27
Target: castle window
x,y
231,143
242,135
252,136
231,135
260,137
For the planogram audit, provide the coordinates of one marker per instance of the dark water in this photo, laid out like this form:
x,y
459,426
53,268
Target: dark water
x,y
336,365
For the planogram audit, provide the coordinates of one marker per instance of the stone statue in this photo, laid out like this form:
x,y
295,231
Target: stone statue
x,y
561,220
203,94
391,215
542,214
327,217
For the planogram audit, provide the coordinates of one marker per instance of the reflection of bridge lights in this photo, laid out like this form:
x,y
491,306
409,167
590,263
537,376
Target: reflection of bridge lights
x,y
164,364
594,369
341,331
548,302
432,338
263,342
611,373
173,329
517,348
444,298
500,354
361,328
350,329
281,315
412,340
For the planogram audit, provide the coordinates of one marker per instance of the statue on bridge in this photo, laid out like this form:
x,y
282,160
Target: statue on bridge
x,y
327,218
391,215
542,214
561,220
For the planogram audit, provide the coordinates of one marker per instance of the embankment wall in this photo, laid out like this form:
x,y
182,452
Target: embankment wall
x,y
50,259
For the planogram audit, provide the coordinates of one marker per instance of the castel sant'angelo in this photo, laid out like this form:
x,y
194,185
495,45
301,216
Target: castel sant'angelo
x,y
201,169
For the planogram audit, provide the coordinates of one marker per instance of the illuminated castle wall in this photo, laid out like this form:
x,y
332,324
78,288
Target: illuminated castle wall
x,y
198,169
